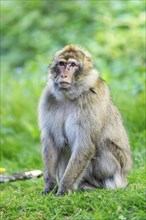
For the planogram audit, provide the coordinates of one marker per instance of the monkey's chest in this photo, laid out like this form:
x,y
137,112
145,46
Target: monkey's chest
x,y
69,124
63,129
57,131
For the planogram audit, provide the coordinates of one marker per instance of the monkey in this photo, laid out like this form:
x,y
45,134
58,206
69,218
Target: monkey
x,y
84,143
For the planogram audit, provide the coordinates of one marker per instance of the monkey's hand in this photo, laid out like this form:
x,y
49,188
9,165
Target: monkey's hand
x,y
60,193
64,188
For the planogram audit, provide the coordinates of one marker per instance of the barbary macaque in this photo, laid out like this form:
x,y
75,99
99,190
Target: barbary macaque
x,y
85,145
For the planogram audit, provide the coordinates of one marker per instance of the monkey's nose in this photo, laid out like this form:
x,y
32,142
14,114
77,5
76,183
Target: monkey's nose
x,y
63,76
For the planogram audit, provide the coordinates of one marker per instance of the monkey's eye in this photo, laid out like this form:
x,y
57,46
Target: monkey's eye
x,y
73,64
61,63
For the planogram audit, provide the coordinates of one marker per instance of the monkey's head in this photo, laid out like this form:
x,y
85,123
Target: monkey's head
x,y
72,69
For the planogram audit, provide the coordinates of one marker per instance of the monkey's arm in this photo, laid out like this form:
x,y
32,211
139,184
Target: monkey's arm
x,y
50,157
49,152
76,167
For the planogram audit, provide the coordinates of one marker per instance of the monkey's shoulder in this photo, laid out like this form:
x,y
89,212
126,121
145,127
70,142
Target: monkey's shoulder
x,y
47,96
100,88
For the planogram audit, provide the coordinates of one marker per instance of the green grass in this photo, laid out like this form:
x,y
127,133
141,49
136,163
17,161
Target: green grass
x,y
22,200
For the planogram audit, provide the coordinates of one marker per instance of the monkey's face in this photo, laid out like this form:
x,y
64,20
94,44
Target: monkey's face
x,y
66,72
71,70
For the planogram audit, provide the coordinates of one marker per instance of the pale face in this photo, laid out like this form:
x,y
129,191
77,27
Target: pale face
x,y
66,70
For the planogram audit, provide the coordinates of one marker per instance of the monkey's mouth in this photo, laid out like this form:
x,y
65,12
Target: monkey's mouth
x,y
64,85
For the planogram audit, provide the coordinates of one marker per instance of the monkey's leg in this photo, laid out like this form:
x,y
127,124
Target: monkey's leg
x,y
50,157
78,162
120,158
117,181
107,170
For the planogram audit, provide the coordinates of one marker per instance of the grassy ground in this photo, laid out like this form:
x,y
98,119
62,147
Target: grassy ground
x,y
22,200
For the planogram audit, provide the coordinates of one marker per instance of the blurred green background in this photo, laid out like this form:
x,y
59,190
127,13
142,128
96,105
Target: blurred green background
x,y
31,31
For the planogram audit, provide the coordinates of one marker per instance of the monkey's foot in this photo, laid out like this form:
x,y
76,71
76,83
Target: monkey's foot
x,y
87,186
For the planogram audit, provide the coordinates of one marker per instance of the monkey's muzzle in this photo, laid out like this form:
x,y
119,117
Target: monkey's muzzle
x,y
64,85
